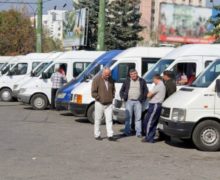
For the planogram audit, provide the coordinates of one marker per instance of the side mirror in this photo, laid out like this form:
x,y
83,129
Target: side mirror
x,y
10,73
0,72
32,73
217,86
44,75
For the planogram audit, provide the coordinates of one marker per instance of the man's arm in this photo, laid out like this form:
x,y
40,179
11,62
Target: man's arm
x,y
95,90
122,91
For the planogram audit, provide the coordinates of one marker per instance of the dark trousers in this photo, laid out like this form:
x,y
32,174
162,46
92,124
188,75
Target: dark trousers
x,y
53,96
151,121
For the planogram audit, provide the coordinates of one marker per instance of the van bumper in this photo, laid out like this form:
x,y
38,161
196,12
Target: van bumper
x,y
182,130
78,109
62,105
119,115
24,98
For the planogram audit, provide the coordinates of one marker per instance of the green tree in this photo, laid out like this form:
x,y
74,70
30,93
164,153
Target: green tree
x,y
215,23
123,27
16,33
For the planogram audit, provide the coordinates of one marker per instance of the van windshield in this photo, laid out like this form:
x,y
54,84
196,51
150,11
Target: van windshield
x,y
158,68
5,69
38,71
208,76
3,66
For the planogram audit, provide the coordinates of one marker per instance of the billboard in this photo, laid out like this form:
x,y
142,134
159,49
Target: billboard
x,y
184,24
75,28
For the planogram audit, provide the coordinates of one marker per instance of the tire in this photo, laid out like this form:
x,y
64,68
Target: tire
x,y
206,136
39,102
6,95
91,115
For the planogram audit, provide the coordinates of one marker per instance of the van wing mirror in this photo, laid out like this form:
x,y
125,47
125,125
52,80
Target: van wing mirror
x,y
217,86
44,75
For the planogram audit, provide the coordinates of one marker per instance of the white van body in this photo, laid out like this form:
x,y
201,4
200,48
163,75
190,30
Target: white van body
x,y
37,91
23,67
35,72
4,60
194,111
140,58
192,57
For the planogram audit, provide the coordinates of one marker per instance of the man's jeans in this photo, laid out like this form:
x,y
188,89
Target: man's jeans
x,y
133,107
100,111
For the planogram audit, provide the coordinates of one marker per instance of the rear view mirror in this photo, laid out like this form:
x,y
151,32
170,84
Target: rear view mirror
x,y
217,86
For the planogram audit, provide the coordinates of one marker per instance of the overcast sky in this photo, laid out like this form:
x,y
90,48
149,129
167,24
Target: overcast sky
x,y
50,4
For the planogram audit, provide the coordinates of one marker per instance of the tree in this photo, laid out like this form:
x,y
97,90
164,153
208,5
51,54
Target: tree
x,y
215,24
123,27
16,33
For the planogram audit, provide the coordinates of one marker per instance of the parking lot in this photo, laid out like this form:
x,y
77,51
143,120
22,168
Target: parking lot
x,y
51,145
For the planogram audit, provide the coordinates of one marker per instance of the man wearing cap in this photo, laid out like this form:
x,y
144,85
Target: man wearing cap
x,y
133,92
156,97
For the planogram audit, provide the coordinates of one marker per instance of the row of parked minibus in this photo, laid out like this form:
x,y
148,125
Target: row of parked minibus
x,y
193,112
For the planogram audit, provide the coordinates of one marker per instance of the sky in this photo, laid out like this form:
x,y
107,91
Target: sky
x,y
48,5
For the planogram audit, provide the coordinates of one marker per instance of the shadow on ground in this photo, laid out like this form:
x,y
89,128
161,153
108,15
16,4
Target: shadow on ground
x,y
186,144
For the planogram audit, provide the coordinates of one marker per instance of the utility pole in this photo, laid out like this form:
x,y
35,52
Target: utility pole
x,y
39,30
101,26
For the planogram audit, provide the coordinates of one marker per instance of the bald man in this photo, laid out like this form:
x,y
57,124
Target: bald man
x,y
103,91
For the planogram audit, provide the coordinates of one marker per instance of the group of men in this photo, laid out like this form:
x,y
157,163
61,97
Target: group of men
x,y
134,93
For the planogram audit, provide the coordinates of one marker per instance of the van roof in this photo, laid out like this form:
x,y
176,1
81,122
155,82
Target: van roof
x,y
36,56
5,58
155,52
80,55
195,50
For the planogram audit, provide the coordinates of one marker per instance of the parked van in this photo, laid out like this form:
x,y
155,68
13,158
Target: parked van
x,y
37,91
4,60
64,94
194,111
140,58
7,66
190,59
36,72
22,68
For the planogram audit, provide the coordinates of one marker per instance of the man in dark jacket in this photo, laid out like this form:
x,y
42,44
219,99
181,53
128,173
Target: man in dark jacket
x,y
133,92
169,82
103,91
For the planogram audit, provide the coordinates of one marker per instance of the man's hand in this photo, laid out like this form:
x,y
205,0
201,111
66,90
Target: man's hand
x,y
150,95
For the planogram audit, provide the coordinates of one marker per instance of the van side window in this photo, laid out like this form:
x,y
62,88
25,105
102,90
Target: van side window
x,y
207,63
185,73
19,69
35,64
79,67
147,63
121,72
52,69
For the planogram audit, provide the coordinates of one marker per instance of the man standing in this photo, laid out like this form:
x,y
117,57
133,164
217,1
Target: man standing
x,y
103,91
57,79
169,82
133,92
156,96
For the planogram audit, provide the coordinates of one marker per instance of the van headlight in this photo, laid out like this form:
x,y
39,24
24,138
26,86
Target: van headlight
x,y
22,90
178,114
77,98
61,95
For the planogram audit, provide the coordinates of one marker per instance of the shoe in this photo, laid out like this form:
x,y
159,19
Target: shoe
x,y
98,138
112,139
139,136
146,141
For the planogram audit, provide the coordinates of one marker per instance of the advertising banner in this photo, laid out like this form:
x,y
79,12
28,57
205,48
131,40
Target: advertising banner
x,y
184,24
75,28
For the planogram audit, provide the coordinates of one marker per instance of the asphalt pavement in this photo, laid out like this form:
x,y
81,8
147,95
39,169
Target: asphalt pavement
x,y
51,145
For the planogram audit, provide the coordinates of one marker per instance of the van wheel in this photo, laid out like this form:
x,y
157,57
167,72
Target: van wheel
x,y
91,115
206,136
39,102
6,95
